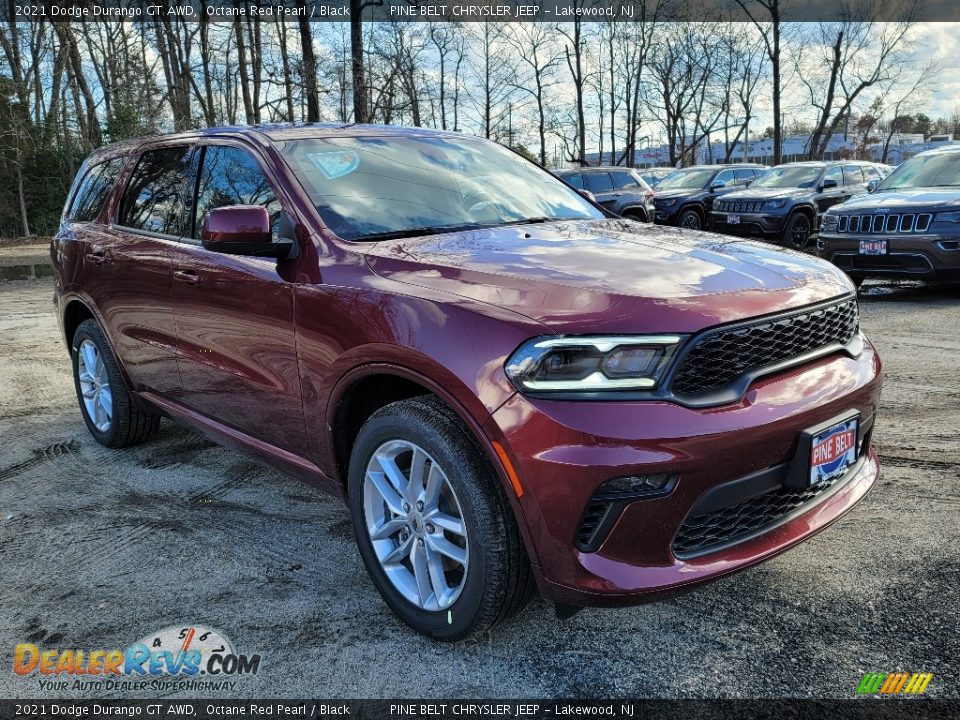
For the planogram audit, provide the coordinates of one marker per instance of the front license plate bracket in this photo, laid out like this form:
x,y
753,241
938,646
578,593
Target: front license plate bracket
x,y
802,472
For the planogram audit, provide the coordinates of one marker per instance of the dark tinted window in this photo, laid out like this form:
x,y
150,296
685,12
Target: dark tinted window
x,y
623,179
575,179
93,190
852,175
231,176
598,182
154,197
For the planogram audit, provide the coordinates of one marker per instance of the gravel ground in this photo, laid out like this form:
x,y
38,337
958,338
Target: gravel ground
x,y
99,548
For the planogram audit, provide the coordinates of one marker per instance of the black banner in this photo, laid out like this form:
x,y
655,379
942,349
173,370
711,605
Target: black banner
x,y
277,709
478,10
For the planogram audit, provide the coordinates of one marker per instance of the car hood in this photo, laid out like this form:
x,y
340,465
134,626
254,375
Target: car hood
x,y
668,193
611,275
920,199
767,193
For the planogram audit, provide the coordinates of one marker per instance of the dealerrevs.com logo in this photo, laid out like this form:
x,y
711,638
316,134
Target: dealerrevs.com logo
x,y
191,657
895,683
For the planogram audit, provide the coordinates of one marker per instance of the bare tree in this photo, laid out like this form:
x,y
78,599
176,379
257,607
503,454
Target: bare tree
x,y
538,56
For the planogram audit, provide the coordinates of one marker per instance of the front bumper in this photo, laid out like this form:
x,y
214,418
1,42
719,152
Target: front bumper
x,y
758,225
563,451
921,256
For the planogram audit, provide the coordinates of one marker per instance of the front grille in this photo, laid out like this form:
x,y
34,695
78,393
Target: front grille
x,y
709,532
747,206
885,224
721,356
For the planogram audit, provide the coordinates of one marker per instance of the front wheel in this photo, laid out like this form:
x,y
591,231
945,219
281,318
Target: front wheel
x,y
432,523
690,220
797,233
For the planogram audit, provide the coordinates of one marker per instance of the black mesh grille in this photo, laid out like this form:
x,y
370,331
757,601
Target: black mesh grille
x,y
700,535
719,357
590,524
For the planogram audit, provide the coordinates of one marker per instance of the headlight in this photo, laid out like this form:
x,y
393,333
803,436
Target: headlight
x,y
591,363
952,217
829,223
774,203
667,202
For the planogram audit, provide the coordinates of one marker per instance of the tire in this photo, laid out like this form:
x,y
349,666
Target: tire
x,y
690,220
637,215
495,582
798,231
107,408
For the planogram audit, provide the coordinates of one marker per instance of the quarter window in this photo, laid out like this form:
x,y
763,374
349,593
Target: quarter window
x,y
94,189
232,176
154,198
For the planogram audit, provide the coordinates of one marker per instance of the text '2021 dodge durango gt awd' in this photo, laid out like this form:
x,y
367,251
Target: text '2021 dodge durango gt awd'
x,y
510,390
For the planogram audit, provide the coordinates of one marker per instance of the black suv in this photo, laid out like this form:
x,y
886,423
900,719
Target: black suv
x,y
787,202
908,226
684,197
620,190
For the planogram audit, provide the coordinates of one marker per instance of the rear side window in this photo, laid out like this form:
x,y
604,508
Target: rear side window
x,y
94,189
575,179
624,180
852,175
232,176
598,182
154,198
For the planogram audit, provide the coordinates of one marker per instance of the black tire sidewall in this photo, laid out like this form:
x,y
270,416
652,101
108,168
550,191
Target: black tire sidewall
x,y
464,472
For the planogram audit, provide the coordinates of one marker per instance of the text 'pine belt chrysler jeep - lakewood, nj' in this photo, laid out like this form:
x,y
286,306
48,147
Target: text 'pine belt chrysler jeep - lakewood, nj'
x,y
510,390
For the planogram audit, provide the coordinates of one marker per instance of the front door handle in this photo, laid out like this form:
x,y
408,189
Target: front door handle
x,y
188,277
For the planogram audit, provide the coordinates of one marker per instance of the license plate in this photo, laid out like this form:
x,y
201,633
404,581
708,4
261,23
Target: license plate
x,y
833,451
733,219
873,247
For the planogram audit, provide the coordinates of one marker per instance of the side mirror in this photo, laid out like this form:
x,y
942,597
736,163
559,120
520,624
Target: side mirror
x,y
588,195
872,185
718,186
243,230
828,183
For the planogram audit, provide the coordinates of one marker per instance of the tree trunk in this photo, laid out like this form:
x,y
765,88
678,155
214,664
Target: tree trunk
x,y
309,68
356,63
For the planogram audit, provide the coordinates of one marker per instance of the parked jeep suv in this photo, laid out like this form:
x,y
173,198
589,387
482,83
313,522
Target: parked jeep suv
x,y
908,226
508,389
685,197
620,190
786,203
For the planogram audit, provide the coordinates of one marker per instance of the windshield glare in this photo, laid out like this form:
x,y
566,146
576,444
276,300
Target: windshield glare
x,y
925,171
789,177
686,179
364,187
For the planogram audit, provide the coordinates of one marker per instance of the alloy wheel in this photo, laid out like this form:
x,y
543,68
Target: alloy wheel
x,y
800,233
690,221
415,523
95,386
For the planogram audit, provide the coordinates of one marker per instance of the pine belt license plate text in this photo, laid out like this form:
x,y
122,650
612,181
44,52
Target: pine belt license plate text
x,y
733,219
873,247
833,451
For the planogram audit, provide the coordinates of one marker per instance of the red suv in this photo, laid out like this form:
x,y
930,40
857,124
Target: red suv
x,y
508,388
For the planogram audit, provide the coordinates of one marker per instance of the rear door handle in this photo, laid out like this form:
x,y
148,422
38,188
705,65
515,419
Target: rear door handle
x,y
188,277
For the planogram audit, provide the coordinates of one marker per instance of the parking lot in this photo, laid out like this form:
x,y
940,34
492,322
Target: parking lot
x,y
100,548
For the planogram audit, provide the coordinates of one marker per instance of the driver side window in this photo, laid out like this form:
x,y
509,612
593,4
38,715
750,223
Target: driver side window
x,y
834,173
231,176
723,177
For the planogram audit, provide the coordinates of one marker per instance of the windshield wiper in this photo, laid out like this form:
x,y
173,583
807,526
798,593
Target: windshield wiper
x,y
440,229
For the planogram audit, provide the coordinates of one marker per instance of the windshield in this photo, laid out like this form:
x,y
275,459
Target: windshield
x,y
686,179
925,171
789,177
369,187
